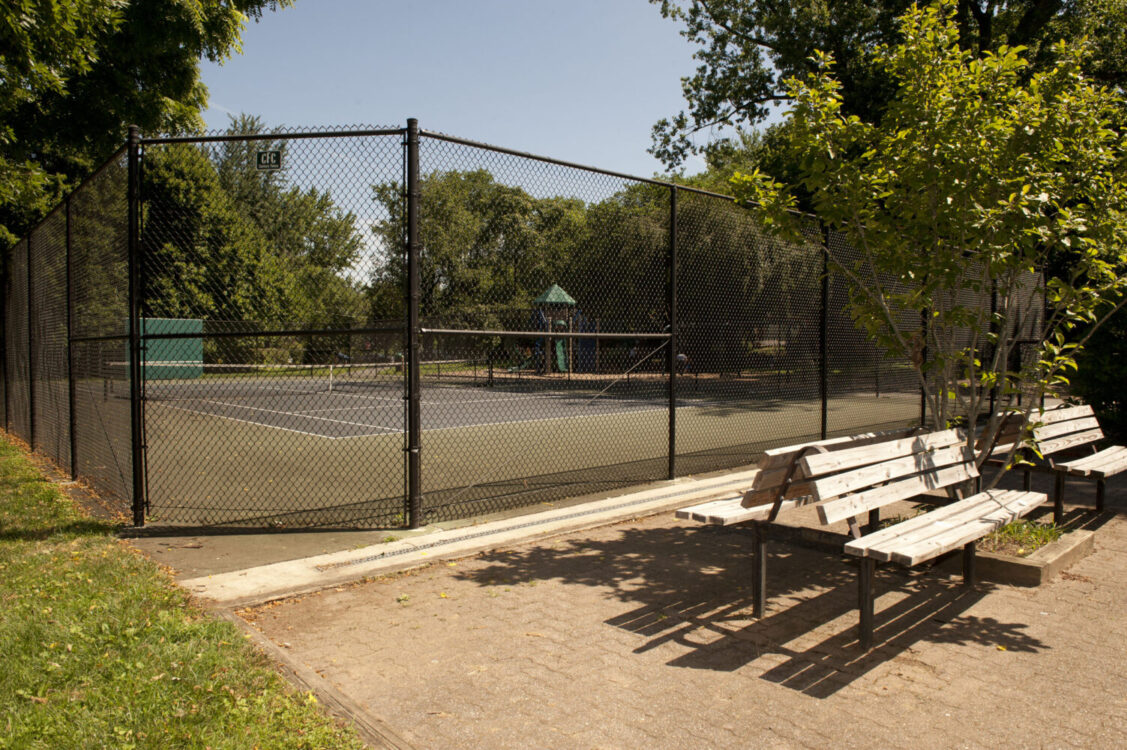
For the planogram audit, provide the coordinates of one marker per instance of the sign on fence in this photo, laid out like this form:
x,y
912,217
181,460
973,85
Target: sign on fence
x,y
269,160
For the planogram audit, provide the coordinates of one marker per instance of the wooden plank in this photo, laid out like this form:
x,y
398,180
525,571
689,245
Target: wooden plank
x,y
818,464
702,511
1070,441
862,502
954,538
1111,468
1080,466
839,484
1051,416
966,508
1056,429
730,511
757,496
774,458
1106,463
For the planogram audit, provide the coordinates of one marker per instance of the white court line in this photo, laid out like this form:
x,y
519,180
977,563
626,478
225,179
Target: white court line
x,y
199,413
631,412
292,414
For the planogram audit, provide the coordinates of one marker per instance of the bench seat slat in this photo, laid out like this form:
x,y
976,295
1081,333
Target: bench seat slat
x,y
890,535
730,511
1106,463
971,531
862,502
840,484
949,528
1080,465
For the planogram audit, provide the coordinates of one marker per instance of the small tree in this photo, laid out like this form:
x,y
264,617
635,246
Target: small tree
x,y
977,175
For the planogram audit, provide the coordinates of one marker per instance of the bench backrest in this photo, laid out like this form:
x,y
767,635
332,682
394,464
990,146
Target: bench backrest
x,y
1056,430
851,478
776,464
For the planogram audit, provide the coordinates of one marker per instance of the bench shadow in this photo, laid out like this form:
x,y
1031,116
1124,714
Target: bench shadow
x,y
690,588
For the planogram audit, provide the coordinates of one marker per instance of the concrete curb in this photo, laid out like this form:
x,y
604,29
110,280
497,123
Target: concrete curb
x,y
1041,566
265,583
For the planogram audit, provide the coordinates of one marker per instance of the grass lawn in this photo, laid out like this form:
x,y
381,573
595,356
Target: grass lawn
x,y
98,648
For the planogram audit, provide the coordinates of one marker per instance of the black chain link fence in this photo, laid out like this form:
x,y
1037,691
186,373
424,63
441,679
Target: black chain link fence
x,y
388,327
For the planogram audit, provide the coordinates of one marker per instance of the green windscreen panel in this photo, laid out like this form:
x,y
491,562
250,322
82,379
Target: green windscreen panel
x,y
172,358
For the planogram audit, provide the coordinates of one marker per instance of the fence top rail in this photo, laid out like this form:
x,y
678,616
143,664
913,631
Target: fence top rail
x,y
586,167
159,140
544,334
562,163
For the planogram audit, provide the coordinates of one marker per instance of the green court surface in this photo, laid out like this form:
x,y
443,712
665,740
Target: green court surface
x,y
207,469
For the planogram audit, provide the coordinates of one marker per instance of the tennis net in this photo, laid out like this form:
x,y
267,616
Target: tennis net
x,y
171,381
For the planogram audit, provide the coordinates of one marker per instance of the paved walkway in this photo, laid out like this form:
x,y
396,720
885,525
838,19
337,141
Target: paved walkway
x,y
639,635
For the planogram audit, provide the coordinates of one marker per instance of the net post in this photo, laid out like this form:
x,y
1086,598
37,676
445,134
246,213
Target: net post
x,y
671,352
824,334
30,348
133,195
414,334
70,349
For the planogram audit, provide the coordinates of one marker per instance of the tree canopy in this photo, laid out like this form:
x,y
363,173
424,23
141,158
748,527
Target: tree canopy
x,y
74,75
980,174
747,49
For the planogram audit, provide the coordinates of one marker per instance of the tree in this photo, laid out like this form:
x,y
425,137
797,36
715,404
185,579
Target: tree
x,y
487,249
979,174
74,75
314,239
748,48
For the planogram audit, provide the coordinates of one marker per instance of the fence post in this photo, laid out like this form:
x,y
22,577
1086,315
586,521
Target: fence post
x,y
30,351
133,263
994,344
414,338
70,351
923,361
823,327
671,354
5,295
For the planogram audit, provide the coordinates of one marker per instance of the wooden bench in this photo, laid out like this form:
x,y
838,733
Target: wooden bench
x,y
1064,430
850,480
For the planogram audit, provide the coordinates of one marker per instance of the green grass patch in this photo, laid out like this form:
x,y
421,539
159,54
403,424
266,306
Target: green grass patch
x,y
1021,538
100,649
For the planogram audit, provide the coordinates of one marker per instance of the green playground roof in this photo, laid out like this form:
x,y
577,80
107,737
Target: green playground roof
x,y
555,296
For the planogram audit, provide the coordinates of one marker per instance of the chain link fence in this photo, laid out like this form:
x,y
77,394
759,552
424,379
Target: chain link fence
x,y
386,327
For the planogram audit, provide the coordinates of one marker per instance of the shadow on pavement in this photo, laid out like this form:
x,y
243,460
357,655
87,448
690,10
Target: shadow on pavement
x,y
691,587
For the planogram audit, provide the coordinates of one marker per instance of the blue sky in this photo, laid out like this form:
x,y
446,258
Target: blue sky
x,y
580,80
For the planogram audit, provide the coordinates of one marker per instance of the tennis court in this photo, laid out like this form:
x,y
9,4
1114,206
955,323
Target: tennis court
x,y
335,444
256,371
344,402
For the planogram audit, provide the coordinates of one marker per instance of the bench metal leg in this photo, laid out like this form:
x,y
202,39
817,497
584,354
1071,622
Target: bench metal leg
x,y
1101,487
874,521
1027,480
759,574
1058,498
968,564
865,601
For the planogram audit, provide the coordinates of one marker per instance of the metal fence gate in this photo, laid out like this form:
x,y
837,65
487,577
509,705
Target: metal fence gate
x,y
392,326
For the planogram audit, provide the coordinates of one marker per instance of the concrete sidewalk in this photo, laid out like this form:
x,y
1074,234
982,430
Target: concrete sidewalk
x,y
229,570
